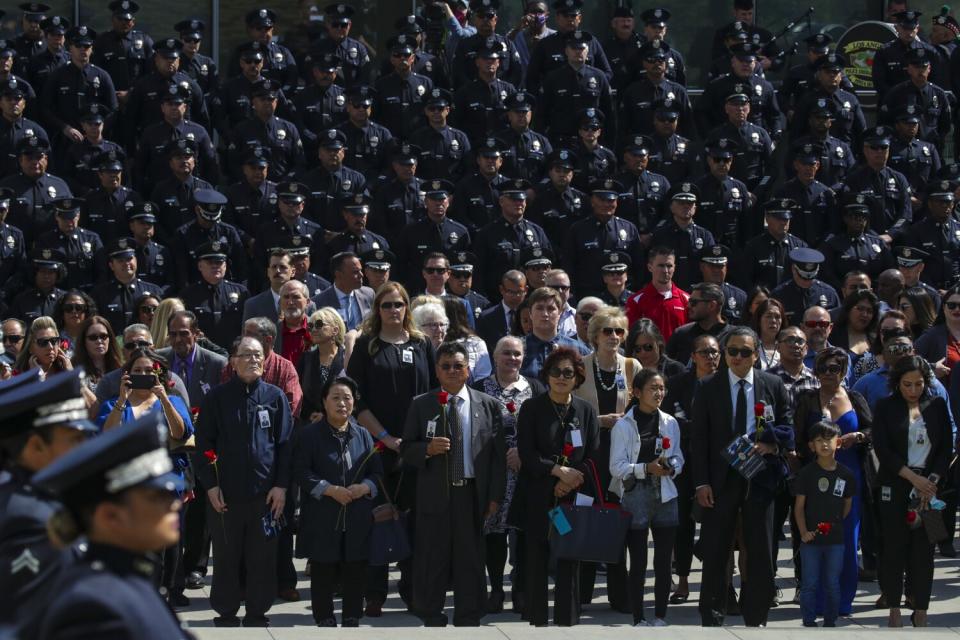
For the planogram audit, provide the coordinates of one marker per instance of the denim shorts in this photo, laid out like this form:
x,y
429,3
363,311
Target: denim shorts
x,y
643,502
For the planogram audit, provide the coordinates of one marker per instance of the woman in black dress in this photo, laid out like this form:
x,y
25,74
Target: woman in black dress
x,y
545,425
338,470
912,440
321,362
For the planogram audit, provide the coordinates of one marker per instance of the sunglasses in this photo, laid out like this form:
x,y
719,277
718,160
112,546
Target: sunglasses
x,y
816,324
794,341
559,287
591,127
832,369
609,331
708,353
98,337
695,301
900,349
191,40
13,339
45,343
151,309
742,352
953,306
139,344
74,308
392,305
566,374
457,366
315,326
644,347
435,270
461,275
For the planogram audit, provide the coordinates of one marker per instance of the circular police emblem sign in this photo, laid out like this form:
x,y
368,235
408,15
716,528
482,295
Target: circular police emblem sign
x,y
535,145
159,260
681,147
455,145
623,234
341,100
13,243
233,296
421,90
375,245
698,243
87,247
281,134
52,191
138,44
758,89
735,193
529,234
347,184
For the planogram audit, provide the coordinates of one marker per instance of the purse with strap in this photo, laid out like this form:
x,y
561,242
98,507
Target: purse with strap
x,y
390,533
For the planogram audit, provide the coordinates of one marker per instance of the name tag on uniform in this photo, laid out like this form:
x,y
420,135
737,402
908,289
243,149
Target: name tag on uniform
x,y
264,417
205,388
407,355
431,428
576,439
838,487
885,494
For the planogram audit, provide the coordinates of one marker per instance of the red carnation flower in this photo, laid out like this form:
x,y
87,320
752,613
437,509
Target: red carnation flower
x,y
64,344
379,447
665,442
443,397
194,412
911,516
824,528
567,450
156,366
512,407
210,455
758,409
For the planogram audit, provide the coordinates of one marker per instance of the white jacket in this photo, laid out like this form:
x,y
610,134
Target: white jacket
x,y
625,447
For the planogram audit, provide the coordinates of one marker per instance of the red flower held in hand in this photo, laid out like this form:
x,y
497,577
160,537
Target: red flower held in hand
x,y
194,412
665,442
758,409
442,398
824,528
911,516
567,450
156,366
512,407
210,455
379,447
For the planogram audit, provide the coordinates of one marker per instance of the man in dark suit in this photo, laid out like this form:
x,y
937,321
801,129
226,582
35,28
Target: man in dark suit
x,y
727,405
348,296
494,321
454,437
266,303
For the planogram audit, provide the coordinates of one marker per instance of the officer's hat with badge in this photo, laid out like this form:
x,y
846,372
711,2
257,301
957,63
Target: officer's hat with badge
x,y
102,469
123,9
325,61
111,160
807,152
361,95
296,245
332,139
338,13
745,51
215,251
577,40
782,208
121,248
917,57
6,197
878,136
563,158
19,380
856,204
50,259
639,146
520,101
32,146
181,147
81,36
176,93
721,148
13,88
355,204
658,17
261,18
437,189
568,7
484,8
606,189
33,11
819,42
909,256
378,259
489,148
806,261
257,156
655,49
830,62
144,212
943,190
616,262
402,45
438,98
738,98
491,50
666,110
908,114
93,112
461,262
252,51
907,19
266,88
67,207
823,107
718,255
209,203
411,24
55,25
190,28
515,189
591,117
540,258
404,153
684,192
7,49
735,32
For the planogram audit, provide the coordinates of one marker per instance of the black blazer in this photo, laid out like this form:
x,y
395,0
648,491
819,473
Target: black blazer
x,y
492,325
488,445
890,431
713,428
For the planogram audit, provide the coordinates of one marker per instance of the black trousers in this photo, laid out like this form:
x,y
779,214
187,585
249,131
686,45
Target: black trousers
x,y
566,589
451,545
286,574
663,539
323,580
196,538
618,593
755,505
402,488
903,549
239,538
686,527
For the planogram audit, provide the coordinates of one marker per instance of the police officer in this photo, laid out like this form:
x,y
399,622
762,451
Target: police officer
x,y
355,65
42,421
355,238
445,149
593,159
201,68
849,122
931,103
558,204
320,105
81,248
640,98
77,164
278,62
815,213
524,150
536,263
480,104
743,11
155,262
412,28
232,103
217,302
30,42
299,249
33,188
105,208
753,151
41,293
399,202
475,202
103,485
591,238
264,129
207,227
802,77
655,28
116,295
887,189
613,272
803,290
643,201
911,263
674,156
252,200
330,180
401,95
938,234
434,233
572,88
14,127
151,164
124,52
765,258
376,267
621,47
463,69
73,86
38,67
460,285
174,195
288,222
836,157
367,141
855,248
13,250
888,63
679,232
725,204
916,159
550,54
714,268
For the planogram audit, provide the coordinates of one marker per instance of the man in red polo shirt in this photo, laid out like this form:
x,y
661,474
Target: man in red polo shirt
x,y
661,300
294,338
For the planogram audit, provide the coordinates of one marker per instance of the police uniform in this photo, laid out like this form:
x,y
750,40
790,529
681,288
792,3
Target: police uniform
x,y
939,239
115,299
550,54
78,164
26,47
907,256
106,212
753,154
400,101
11,133
815,216
30,564
250,206
278,62
796,299
524,152
849,122
320,108
687,243
734,302
674,157
463,69
110,590
463,262
282,232
279,135
476,199
125,56
232,103
155,262
724,207
887,191
30,209
645,193
219,307
356,66
621,53
835,156
590,239
175,198
479,107
556,210
7,51
81,248
615,262
398,203
759,37
765,260
201,68
367,145
190,237
31,302
39,66
347,240
638,102
425,236
889,61
598,162
764,108
327,187
916,159
13,253
931,106
844,253
802,77
445,150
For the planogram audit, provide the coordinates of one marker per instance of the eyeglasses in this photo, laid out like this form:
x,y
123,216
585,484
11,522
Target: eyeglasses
x,y
461,275
832,369
899,349
585,316
794,340
13,339
742,352
557,372
816,324
708,353
46,343
562,288
72,307
137,344
435,270
695,301
98,337
251,357
393,305
953,306
644,347
435,325
514,292
315,326
609,331
149,309
456,366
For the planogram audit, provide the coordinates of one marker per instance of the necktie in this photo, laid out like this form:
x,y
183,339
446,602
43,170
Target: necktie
x,y
456,440
183,372
510,320
348,311
740,417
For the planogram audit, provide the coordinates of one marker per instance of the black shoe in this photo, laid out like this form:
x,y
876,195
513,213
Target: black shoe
x,y
194,580
711,619
350,622
179,600
231,621
867,575
435,621
947,550
327,622
733,607
518,601
256,621
495,602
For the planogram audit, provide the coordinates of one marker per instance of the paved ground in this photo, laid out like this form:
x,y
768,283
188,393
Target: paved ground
x,y
290,621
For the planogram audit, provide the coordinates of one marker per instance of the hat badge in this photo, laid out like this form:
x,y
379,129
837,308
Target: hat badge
x,y
46,254
907,252
685,187
262,13
82,31
461,257
122,243
879,131
405,148
358,198
171,43
124,5
911,109
435,185
537,252
944,184
491,142
215,245
55,21
147,207
722,143
332,134
591,113
808,148
293,188
194,24
614,258
563,155
657,13
341,8
173,89
716,250
785,204
821,103
861,198
608,183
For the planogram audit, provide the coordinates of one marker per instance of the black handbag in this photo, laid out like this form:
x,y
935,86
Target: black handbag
x,y
389,535
597,533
